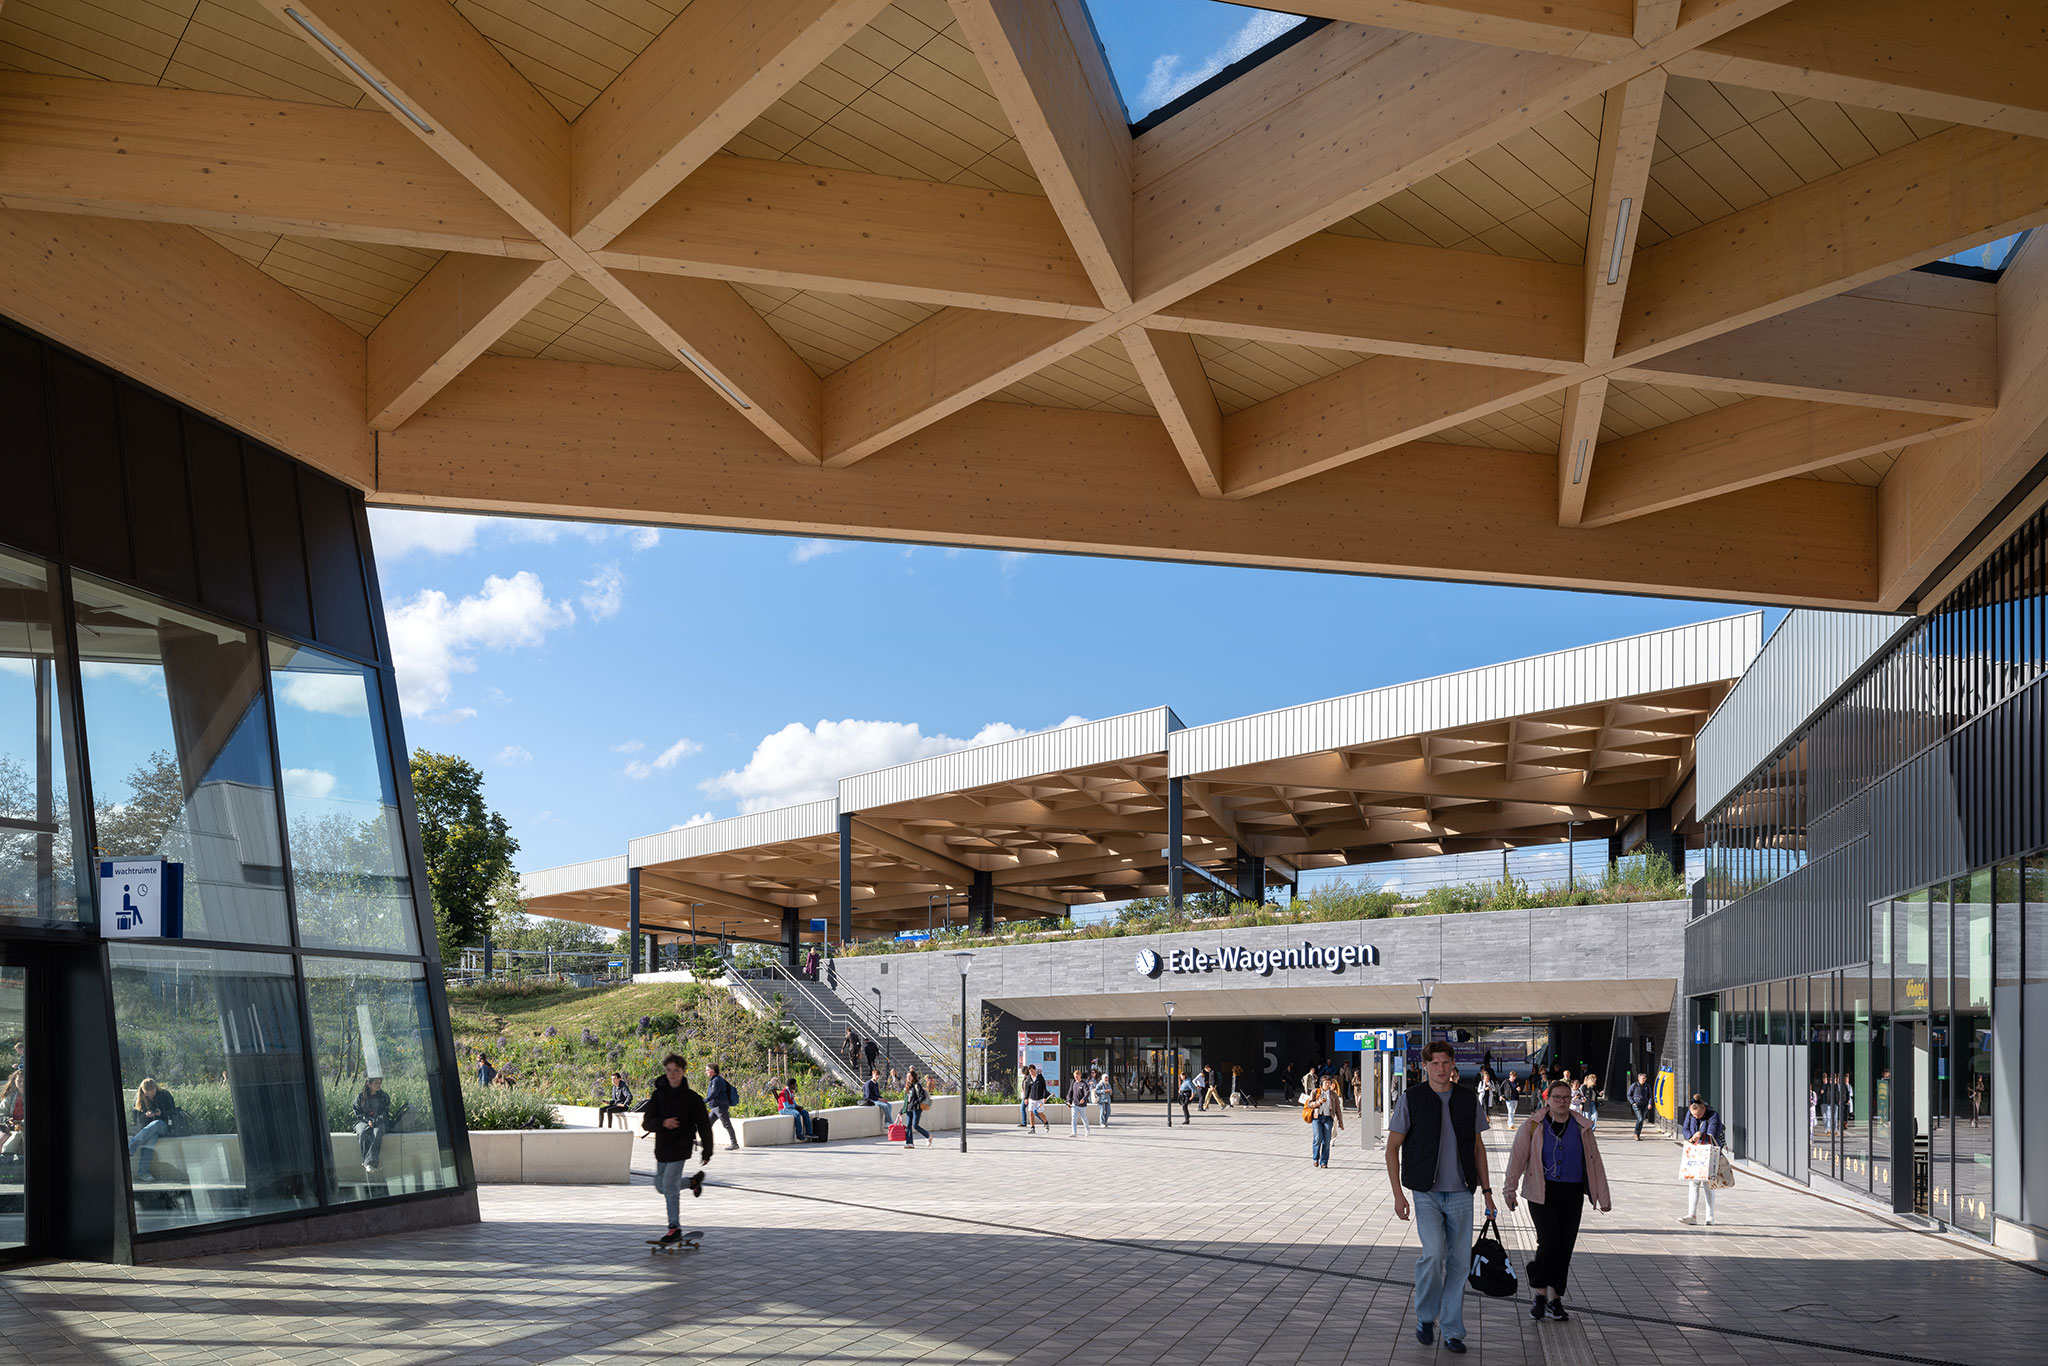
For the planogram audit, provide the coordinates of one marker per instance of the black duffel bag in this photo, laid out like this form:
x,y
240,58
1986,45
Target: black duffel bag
x,y
1492,1273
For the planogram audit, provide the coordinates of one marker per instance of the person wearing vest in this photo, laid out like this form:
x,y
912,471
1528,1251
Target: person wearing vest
x,y
1435,1153
1557,1161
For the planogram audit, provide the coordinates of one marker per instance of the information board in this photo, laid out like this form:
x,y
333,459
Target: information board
x,y
142,898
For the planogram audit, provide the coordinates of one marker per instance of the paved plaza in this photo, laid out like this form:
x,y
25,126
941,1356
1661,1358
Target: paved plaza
x,y
1216,1243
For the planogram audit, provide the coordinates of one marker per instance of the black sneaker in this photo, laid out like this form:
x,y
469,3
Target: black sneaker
x,y
1425,1333
1455,1346
1536,1306
674,1235
1556,1310
697,1183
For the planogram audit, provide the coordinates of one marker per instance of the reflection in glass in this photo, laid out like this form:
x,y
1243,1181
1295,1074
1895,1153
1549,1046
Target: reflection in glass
x,y
213,1083
1973,1125
181,756
349,872
43,856
371,1019
1157,53
13,1107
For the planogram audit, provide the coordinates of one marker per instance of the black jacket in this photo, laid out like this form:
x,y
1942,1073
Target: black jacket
x,y
1036,1089
373,1108
684,1105
1639,1093
721,1095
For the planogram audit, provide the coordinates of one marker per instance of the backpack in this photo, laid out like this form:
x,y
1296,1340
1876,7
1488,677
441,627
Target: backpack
x,y
1492,1273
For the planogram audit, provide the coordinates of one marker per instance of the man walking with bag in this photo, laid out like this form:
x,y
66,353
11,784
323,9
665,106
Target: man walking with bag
x,y
1435,1152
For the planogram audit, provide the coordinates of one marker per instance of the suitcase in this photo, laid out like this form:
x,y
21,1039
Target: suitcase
x,y
821,1128
899,1133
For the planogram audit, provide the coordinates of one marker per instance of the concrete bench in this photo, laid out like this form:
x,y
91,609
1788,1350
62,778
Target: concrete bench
x,y
551,1157
847,1121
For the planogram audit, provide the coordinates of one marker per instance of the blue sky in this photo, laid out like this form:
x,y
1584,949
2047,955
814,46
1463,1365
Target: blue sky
x,y
613,682
1158,49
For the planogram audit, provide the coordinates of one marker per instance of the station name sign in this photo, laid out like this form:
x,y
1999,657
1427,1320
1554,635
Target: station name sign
x,y
1262,962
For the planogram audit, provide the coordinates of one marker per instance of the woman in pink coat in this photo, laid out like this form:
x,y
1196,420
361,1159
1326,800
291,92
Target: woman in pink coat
x,y
1558,1163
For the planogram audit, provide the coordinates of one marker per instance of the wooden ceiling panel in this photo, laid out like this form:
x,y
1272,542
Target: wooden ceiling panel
x,y
829,330
576,323
1534,426
113,40
904,98
570,49
1633,407
1529,197
1247,372
1869,471
1100,379
1721,148
358,282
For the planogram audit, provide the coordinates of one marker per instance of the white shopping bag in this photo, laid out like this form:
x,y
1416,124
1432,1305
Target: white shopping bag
x,y
1699,1162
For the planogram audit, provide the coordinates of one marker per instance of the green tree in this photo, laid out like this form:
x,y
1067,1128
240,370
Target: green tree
x,y
512,927
136,827
468,847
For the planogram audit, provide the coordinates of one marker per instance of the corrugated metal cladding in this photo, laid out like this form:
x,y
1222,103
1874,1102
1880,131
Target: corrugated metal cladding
x,y
1807,659
1684,656
1931,763
575,877
1132,736
804,822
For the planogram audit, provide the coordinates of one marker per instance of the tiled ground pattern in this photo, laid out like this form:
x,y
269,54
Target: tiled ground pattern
x,y
1215,1244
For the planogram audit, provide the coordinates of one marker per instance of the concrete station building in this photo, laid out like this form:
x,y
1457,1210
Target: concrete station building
x,y
1727,301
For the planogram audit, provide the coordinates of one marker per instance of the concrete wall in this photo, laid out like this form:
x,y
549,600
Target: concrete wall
x,y
551,1157
1575,960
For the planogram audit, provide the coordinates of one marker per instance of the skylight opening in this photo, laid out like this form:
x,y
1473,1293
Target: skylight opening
x,y
1992,256
1162,52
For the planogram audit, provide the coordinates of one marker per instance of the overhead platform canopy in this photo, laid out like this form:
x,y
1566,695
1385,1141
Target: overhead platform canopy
x,y
1656,296
1587,742
1576,744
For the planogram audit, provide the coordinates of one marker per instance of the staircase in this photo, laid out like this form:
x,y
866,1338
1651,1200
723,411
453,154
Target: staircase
x,y
821,1016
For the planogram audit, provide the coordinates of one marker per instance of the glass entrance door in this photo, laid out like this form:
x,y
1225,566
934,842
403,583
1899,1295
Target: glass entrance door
x,y
14,1112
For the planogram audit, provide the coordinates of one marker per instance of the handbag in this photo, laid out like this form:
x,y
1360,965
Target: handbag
x,y
1724,1173
1308,1111
1492,1273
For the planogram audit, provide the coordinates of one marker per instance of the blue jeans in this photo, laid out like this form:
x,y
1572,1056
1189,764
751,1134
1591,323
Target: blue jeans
x,y
1444,1220
1105,1113
913,1125
144,1142
1023,1114
803,1120
1319,1138
668,1179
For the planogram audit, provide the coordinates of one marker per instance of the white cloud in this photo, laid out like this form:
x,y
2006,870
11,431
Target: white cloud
x,y
399,532
806,551
332,694
433,639
604,594
454,716
701,818
515,754
630,747
663,761
146,676
17,666
309,784
801,763
1170,77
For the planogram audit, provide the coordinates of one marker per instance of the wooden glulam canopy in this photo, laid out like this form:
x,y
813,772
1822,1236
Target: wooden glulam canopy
x,y
1797,316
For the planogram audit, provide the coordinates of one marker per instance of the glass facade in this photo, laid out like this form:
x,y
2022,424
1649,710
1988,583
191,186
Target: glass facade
x,y
133,726
1983,645
1931,1035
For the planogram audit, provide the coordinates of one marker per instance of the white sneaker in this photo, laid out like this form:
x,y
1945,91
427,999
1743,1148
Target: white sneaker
x,y
1687,1219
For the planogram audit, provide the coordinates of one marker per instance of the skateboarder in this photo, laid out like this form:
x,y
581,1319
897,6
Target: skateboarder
x,y
674,1113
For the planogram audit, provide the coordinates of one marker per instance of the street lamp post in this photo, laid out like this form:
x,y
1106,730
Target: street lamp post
x,y
1428,985
963,960
1172,1065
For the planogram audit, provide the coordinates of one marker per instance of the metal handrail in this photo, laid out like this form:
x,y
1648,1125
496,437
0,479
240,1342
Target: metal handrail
x,y
858,1014
820,1049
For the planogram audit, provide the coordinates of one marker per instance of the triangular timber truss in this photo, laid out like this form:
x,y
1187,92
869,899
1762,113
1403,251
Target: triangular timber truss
x,y
1759,398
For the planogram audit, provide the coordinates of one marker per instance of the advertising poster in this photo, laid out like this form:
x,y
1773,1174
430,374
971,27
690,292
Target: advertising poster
x,y
1042,1050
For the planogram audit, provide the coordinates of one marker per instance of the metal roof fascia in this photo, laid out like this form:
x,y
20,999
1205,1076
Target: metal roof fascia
x,y
1133,735
1656,661
575,877
1798,671
806,820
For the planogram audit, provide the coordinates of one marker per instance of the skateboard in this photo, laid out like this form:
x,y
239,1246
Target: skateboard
x,y
687,1243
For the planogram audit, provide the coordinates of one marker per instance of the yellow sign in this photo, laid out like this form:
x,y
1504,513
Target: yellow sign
x,y
1667,1096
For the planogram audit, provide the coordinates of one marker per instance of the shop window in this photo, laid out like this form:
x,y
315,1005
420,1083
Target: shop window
x,y
213,1085
1974,1102
349,872
181,757
44,862
371,1020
